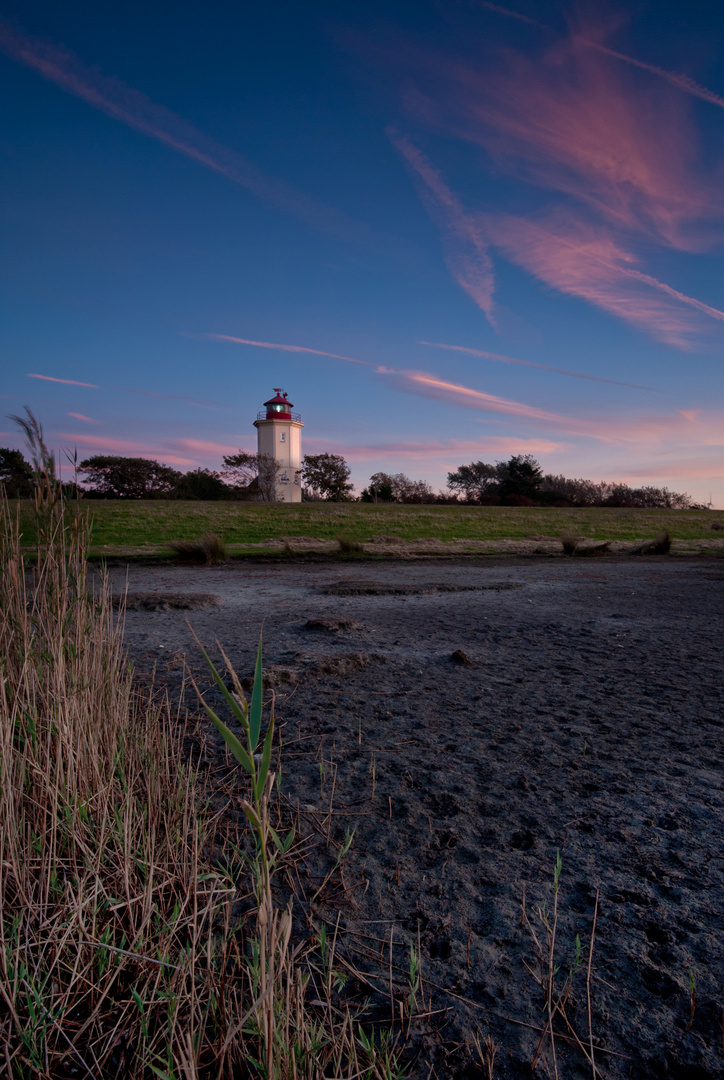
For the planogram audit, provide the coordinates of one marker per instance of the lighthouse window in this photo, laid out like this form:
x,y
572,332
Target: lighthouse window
x,y
283,436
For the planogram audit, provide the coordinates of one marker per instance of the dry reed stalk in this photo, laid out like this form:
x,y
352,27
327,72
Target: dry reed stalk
x,y
118,950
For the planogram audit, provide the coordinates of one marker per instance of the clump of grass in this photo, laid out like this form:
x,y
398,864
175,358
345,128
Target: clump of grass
x,y
349,547
570,543
717,525
210,550
105,915
120,951
661,545
557,986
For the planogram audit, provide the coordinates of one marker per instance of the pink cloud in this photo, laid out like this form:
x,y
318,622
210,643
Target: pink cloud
x,y
429,385
133,108
450,450
530,363
680,429
584,260
125,448
695,469
464,242
204,447
441,390
575,123
68,382
419,382
684,427
675,78
80,416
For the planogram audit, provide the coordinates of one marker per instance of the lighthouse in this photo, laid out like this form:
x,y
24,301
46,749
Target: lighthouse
x,y
279,434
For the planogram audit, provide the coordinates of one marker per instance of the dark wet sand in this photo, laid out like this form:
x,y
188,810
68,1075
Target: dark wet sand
x,y
589,720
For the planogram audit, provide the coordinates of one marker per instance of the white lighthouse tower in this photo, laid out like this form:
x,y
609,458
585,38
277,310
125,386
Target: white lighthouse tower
x,y
279,434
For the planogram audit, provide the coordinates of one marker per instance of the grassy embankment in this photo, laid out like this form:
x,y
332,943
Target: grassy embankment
x,y
149,527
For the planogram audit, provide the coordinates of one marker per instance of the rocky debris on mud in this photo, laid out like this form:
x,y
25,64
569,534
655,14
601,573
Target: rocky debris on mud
x,y
138,601
400,588
329,625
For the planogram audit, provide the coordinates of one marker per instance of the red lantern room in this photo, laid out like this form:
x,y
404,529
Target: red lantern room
x,y
279,407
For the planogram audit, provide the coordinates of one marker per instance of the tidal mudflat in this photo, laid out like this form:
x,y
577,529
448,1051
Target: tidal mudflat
x,y
582,714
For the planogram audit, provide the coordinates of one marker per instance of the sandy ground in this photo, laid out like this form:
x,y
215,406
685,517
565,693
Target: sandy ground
x,y
585,717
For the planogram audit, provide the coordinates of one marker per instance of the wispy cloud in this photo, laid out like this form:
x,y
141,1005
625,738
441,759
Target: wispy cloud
x,y
450,451
573,123
68,382
286,348
422,382
683,427
133,108
675,78
85,419
202,446
510,14
710,468
125,447
584,260
200,403
418,382
464,242
530,363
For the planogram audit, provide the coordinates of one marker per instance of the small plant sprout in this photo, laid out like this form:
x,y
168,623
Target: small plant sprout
x,y
556,995
256,766
414,979
486,1054
692,999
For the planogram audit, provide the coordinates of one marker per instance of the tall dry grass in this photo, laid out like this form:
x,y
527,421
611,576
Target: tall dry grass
x,y
119,951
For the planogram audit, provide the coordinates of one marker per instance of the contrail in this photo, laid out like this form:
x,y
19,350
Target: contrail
x,y
531,363
287,348
511,14
133,108
466,250
682,82
675,78
200,403
417,382
699,305
68,382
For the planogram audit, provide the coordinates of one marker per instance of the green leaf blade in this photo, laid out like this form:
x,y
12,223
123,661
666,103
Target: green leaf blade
x,y
265,760
231,741
256,703
231,701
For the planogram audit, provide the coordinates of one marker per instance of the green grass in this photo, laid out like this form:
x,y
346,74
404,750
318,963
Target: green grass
x,y
154,525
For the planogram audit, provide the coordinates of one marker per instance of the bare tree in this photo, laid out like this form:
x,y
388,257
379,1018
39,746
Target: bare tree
x,y
252,475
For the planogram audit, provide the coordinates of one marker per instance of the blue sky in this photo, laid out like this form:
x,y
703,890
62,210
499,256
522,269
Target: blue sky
x,y
451,231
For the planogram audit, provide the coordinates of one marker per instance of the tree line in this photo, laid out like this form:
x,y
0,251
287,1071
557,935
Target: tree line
x,y
520,481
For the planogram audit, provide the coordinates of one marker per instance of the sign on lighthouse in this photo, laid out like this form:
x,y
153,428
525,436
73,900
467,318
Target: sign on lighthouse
x,y
279,435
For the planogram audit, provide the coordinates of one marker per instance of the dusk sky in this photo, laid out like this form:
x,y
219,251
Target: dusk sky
x,y
450,231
